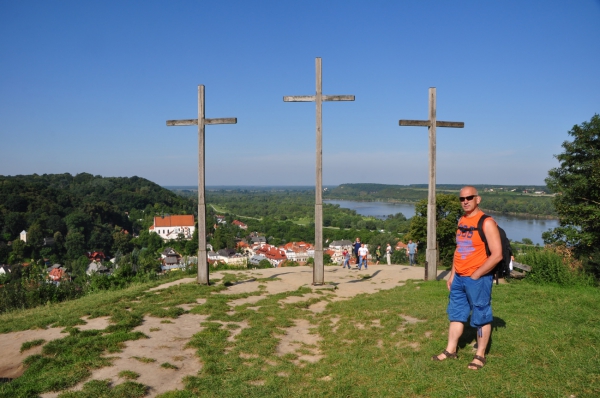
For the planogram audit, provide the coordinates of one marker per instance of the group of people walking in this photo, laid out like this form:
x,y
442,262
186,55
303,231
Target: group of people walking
x,y
361,254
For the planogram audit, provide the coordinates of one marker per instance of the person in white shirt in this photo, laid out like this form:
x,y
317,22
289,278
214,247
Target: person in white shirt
x,y
363,252
388,254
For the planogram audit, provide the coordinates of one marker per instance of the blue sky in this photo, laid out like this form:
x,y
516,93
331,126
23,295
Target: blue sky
x,y
88,86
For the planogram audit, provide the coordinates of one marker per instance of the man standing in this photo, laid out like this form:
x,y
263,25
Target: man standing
x,y
363,252
470,282
356,245
388,254
412,250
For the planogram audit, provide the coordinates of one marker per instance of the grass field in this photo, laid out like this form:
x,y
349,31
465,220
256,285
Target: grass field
x,y
545,343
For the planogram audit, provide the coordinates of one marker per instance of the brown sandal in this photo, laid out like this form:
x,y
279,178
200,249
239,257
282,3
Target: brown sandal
x,y
476,365
447,354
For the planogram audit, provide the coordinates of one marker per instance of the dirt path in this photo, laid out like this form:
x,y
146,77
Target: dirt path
x,y
166,342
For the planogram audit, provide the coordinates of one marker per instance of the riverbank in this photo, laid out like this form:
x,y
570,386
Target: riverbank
x,y
404,202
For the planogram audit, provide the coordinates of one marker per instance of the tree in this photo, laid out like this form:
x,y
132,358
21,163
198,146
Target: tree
x,y
122,241
224,236
35,235
576,183
75,244
449,211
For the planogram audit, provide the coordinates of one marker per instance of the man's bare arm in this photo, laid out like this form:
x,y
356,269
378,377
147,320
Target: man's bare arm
x,y
493,238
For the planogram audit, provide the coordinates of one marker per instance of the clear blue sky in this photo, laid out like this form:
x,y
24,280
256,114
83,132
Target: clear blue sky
x,y
88,86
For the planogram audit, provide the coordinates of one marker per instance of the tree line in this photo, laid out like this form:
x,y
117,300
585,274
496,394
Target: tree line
x,y
505,199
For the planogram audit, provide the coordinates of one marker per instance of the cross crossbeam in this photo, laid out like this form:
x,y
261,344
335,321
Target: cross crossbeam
x,y
201,122
432,253
318,98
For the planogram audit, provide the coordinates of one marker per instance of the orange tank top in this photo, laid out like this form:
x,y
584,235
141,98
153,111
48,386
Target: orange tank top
x,y
470,250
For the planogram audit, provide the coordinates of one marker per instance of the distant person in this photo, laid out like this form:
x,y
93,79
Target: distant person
x,y
356,245
471,279
412,250
363,252
346,256
388,254
378,254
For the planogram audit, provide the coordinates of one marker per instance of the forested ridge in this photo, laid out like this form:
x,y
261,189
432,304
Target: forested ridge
x,y
80,213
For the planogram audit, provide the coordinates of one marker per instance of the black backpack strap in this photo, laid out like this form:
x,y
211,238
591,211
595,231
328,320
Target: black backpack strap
x,y
482,234
484,239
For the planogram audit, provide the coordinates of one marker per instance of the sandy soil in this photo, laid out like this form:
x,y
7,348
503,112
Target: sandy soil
x,y
166,342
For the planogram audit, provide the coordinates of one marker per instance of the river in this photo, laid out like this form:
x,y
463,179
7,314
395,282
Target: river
x,y
516,227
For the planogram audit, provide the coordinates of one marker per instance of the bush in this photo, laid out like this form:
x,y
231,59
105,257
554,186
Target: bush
x,y
16,296
550,267
264,264
399,257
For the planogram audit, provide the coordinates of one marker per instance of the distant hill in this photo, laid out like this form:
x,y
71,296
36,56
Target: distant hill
x,y
414,192
84,209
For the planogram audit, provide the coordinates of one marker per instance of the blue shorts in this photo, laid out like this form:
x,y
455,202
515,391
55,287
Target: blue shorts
x,y
468,295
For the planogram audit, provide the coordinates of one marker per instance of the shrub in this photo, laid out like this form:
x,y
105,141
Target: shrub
x,y
548,266
399,257
264,264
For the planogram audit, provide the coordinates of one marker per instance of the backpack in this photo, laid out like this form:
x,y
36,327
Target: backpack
x,y
502,269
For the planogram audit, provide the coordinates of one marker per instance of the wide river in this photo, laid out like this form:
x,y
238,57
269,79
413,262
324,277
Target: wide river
x,y
516,228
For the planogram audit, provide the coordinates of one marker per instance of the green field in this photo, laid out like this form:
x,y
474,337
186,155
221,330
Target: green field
x,y
545,343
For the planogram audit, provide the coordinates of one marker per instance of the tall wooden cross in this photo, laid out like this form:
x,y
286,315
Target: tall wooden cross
x,y
318,98
201,122
432,249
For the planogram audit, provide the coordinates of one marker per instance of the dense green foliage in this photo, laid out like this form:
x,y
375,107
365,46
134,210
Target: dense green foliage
x,y
449,212
502,199
68,216
81,213
576,182
550,267
288,215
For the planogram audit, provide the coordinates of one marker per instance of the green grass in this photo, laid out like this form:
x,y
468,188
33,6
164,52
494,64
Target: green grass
x,y
30,344
128,374
144,359
545,343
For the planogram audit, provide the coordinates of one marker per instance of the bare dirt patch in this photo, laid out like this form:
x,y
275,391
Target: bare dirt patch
x,y
165,345
297,299
247,300
410,319
319,307
100,323
11,360
299,340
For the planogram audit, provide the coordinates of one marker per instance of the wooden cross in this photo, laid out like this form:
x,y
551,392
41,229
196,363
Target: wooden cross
x,y
318,98
201,122
432,254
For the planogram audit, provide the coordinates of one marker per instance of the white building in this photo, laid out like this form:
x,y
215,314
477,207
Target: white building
x,y
169,227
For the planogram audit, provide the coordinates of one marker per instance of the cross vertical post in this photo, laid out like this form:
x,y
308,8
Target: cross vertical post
x,y
432,253
201,122
318,98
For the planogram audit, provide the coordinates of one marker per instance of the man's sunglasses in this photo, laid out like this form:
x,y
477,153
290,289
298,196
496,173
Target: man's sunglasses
x,y
468,198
